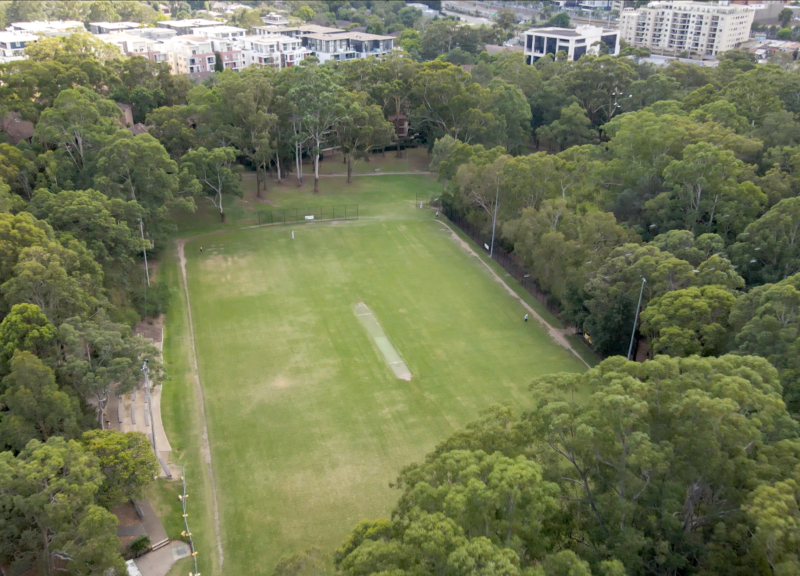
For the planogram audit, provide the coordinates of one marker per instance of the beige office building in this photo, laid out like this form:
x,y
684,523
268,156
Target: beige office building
x,y
704,28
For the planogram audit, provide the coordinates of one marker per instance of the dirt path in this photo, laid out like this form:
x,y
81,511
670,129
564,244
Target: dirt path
x,y
557,334
206,449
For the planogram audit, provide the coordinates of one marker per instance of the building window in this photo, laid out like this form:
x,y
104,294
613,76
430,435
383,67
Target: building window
x,y
551,45
538,44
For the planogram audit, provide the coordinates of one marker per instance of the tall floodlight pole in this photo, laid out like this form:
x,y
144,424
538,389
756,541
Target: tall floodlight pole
x,y
149,405
636,320
494,219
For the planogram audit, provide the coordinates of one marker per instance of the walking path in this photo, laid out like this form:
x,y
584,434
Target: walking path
x,y
206,449
557,334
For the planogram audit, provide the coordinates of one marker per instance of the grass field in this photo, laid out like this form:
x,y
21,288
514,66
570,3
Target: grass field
x,y
307,423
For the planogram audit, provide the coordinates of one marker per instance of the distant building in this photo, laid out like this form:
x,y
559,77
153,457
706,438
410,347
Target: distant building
x,y
48,28
704,28
153,33
134,45
111,27
186,27
16,128
574,41
275,51
192,55
275,19
230,52
12,45
127,113
763,10
221,32
347,45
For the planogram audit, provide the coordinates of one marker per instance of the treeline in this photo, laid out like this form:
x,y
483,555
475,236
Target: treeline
x,y
671,466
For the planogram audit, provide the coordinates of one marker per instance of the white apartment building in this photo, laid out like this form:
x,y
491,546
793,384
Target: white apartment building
x,y
297,31
134,45
347,45
276,51
221,32
12,45
111,27
230,52
192,55
186,27
275,19
574,41
705,28
48,28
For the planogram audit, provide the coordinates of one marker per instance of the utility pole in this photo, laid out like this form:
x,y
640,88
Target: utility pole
x,y
636,320
494,219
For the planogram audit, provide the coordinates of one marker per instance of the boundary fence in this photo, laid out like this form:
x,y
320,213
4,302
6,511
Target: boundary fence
x,y
514,268
310,214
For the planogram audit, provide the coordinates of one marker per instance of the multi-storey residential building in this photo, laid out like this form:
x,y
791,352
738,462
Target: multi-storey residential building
x,y
229,52
192,55
221,32
574,41
705,28
48,28
133,45
161,34
296,31
186,27
111,27
276,51
347,45
12,45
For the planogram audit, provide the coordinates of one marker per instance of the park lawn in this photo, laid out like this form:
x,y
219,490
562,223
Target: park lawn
x,y
307,424
376,196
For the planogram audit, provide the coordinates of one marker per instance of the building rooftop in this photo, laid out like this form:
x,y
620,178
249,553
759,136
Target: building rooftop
x,y
222,28
270,38
116,25
17,37
359,36
190,23
47,26
570,32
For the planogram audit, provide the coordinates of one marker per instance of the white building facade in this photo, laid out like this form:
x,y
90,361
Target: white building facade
x,y
576,42
704,28
274,50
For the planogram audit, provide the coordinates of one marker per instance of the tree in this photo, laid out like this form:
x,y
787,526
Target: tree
x,y
769,249
95,219
138,169
247,99
613,293
573,128
102,12
785,17
171,126
35,407
26,329
360,128
47,513
317,97
218,65
708,193
784,34
689,321
216,172
766,322
506,19
305,13
78,124
392,88
560,20
127,462
101,357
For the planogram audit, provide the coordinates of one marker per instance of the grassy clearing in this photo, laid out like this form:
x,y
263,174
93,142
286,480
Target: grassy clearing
x,y
307,424
180,410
